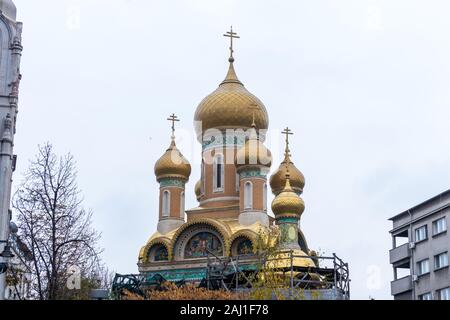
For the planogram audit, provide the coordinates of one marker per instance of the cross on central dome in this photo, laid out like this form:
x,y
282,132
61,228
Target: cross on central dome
x,y
230,106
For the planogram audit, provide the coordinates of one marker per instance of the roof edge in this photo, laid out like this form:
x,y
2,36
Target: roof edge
x,y
447,192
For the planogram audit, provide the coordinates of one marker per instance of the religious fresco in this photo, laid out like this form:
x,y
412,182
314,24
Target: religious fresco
x,y
245,247
197,245
161,254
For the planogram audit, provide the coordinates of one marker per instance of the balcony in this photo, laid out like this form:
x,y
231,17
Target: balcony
x,y
401,285
400,254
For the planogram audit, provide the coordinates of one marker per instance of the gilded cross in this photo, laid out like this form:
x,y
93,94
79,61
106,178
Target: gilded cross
x,y
173,118
288,132
232,35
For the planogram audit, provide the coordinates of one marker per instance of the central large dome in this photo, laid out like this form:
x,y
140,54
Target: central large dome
x,y
231,105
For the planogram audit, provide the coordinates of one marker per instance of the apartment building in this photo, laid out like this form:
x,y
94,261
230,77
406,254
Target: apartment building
x,y
420,251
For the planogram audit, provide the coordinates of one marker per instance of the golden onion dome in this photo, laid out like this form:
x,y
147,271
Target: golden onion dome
x,y
172,164
278,178
288,202
198,189
231,105
254,152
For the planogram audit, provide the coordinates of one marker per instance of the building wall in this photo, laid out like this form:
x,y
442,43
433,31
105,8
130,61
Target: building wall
x,y
10,55
427,249
175,203
406,223
230,194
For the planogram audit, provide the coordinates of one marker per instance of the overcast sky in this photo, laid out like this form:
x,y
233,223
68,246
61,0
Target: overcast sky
x,y
363,84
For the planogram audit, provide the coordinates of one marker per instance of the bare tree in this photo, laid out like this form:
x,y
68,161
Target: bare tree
x,y
55,227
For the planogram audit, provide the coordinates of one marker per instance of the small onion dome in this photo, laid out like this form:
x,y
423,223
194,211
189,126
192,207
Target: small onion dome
x,y
253,153
288,203
278,179
198,189
172,164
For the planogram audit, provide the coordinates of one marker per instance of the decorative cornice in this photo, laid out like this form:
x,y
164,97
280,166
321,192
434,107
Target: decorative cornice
x,y
172,182
226,141
215,209
253,173
219,199
288,218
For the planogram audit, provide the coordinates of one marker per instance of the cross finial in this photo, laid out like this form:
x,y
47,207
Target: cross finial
x,y
288,132
173,118
232,35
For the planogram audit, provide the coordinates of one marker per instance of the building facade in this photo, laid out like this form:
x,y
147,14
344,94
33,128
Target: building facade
x,y
420,254
10,54
232,215
18,275
232,191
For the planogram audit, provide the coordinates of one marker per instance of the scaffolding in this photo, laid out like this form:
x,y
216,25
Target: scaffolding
x,y
233,274
330,277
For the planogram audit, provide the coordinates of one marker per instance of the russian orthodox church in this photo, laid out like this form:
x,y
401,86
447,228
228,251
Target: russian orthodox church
x,y
232,191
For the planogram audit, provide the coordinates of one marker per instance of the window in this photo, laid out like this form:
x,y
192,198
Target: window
x,y
245,248
203,177
444,294
426,296
158,253
423,267
265,197
421,234
238,181
219,170
182,205
439,226
166,204
248,196
219,176
441,261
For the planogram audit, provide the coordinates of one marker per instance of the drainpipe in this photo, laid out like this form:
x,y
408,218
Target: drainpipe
x,y
413,271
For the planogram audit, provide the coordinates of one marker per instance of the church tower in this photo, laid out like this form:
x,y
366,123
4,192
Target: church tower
x,y
253,162
172,172
288,208
10,54
223,122
232,214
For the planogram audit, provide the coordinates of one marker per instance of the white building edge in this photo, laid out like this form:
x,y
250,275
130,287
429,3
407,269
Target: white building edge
x,y
10,55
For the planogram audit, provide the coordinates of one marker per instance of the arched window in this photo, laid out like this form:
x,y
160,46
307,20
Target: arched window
x,y
265,197
248,195
245,247
219,173
182,205
158,253
242,246
166,204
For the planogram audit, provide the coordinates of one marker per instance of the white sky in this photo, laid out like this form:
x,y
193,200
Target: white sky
x,y
364,84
